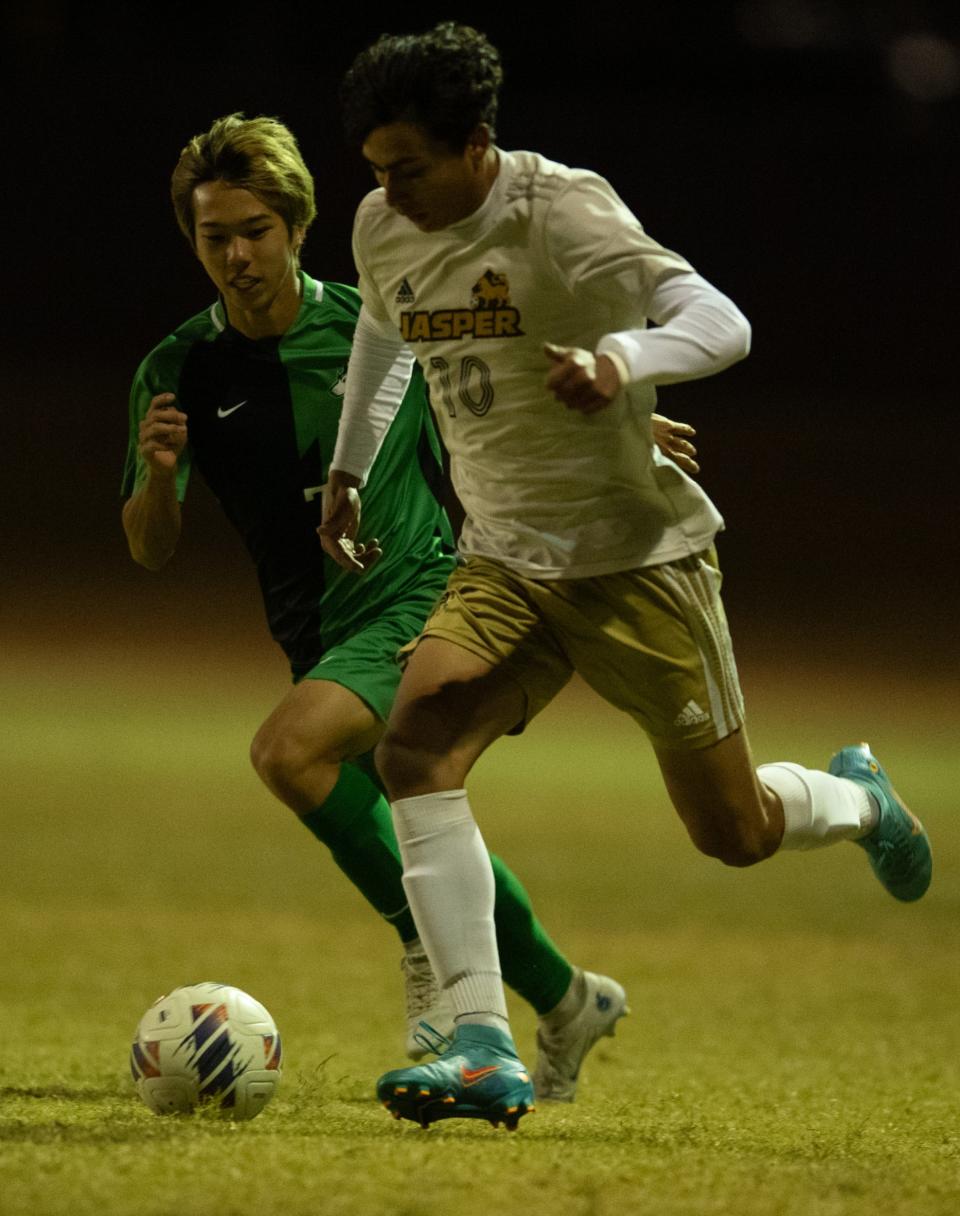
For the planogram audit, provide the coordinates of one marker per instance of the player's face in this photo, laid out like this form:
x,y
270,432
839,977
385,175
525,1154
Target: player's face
x,y
423,179
245,248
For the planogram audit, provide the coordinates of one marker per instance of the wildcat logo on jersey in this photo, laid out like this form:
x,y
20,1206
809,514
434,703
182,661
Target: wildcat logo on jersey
x,y
491,290
491,315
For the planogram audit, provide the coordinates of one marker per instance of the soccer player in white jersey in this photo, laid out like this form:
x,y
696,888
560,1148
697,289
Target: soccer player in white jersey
x,y
524,289
248,394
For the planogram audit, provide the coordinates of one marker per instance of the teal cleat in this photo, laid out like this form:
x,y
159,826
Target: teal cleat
x,y
898,847
478,1077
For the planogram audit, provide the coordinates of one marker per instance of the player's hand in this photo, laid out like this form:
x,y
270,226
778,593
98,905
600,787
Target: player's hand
x,y
341,523
581,380
670,438
163,435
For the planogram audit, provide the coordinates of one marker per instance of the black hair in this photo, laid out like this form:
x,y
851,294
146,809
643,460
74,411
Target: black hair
x,y
445,81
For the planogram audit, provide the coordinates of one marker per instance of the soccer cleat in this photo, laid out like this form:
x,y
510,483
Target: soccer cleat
x,y
429,1012
562,1049
478,1077
898,847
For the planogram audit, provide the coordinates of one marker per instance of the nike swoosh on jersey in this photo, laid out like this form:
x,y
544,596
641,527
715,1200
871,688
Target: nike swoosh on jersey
x,y
470,1076
222,413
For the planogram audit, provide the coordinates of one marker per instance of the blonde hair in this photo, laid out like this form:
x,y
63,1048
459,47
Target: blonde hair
x,y
256,154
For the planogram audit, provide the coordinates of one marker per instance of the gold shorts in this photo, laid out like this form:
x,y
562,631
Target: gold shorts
x,y
651,641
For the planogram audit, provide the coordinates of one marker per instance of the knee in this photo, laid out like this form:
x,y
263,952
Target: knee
x,y
404,768
732,841
276,759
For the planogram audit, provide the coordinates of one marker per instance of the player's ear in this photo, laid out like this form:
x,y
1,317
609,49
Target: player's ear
x,y
478,141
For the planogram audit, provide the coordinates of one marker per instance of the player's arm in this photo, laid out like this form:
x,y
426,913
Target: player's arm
x,y
151,516
598,247
699,332
378,375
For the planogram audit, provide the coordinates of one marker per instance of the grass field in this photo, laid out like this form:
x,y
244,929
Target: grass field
x,y
794,1041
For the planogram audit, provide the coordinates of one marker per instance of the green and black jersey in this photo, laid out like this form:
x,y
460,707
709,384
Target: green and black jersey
x,y
262,422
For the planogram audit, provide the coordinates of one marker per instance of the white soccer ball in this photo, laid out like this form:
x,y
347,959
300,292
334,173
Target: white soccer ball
x,y
206,1044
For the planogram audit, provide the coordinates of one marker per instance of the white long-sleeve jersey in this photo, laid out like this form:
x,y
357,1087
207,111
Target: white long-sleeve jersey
x,y
552,255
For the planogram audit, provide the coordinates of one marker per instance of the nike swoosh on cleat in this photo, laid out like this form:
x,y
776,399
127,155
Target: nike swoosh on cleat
x,y
470,1076
916,827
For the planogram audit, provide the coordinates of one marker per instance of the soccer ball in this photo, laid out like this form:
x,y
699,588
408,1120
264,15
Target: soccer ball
x,y
206,1044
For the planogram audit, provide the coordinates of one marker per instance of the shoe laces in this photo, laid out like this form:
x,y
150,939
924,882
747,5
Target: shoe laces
x,y
421,986
431,1039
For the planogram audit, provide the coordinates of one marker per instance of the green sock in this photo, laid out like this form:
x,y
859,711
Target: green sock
x,y
531,964
356,825
367,766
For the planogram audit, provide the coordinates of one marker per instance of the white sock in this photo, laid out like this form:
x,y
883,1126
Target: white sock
x,y
818,809
449,883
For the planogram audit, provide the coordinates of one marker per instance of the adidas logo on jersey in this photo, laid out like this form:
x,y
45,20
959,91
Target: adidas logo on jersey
x,y
691,715
405,294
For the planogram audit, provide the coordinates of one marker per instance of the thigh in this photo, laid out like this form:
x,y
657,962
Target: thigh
x,y
490,613
320,719
451,705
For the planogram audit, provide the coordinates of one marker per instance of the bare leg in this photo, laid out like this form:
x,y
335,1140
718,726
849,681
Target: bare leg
x,y
728,811
298,750
450,707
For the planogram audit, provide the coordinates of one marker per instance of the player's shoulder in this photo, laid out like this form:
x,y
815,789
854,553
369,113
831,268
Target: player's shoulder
x,y
373,206
375,220
173,350
324,300
534,176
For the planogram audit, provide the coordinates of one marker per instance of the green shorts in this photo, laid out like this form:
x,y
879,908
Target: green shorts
x,y
652,641
366,662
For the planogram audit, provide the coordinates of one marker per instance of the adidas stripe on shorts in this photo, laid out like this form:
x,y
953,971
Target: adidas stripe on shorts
x,y
652,641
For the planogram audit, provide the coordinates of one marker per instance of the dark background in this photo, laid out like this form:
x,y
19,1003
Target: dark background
x,y
801,154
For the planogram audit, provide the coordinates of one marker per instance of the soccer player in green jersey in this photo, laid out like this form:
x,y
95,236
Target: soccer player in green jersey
x,y
249,392
525,288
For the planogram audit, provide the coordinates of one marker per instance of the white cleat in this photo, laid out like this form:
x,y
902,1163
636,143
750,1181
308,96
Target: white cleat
x,y
429,1012
601,1003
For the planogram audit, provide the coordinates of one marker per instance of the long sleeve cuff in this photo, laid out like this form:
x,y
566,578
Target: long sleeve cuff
x,y
699,331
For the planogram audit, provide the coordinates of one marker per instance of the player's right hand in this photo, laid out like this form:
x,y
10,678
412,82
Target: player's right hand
x,y
341,523
581,380
163,435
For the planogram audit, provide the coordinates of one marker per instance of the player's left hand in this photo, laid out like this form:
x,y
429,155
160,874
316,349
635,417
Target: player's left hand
x,y
340,524
581,380
670,438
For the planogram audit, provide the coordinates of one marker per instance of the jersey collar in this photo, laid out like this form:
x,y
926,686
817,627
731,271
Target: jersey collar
x,y
486,214
311,292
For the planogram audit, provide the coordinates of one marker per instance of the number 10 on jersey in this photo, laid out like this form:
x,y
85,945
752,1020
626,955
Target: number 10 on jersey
x,y
474,390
